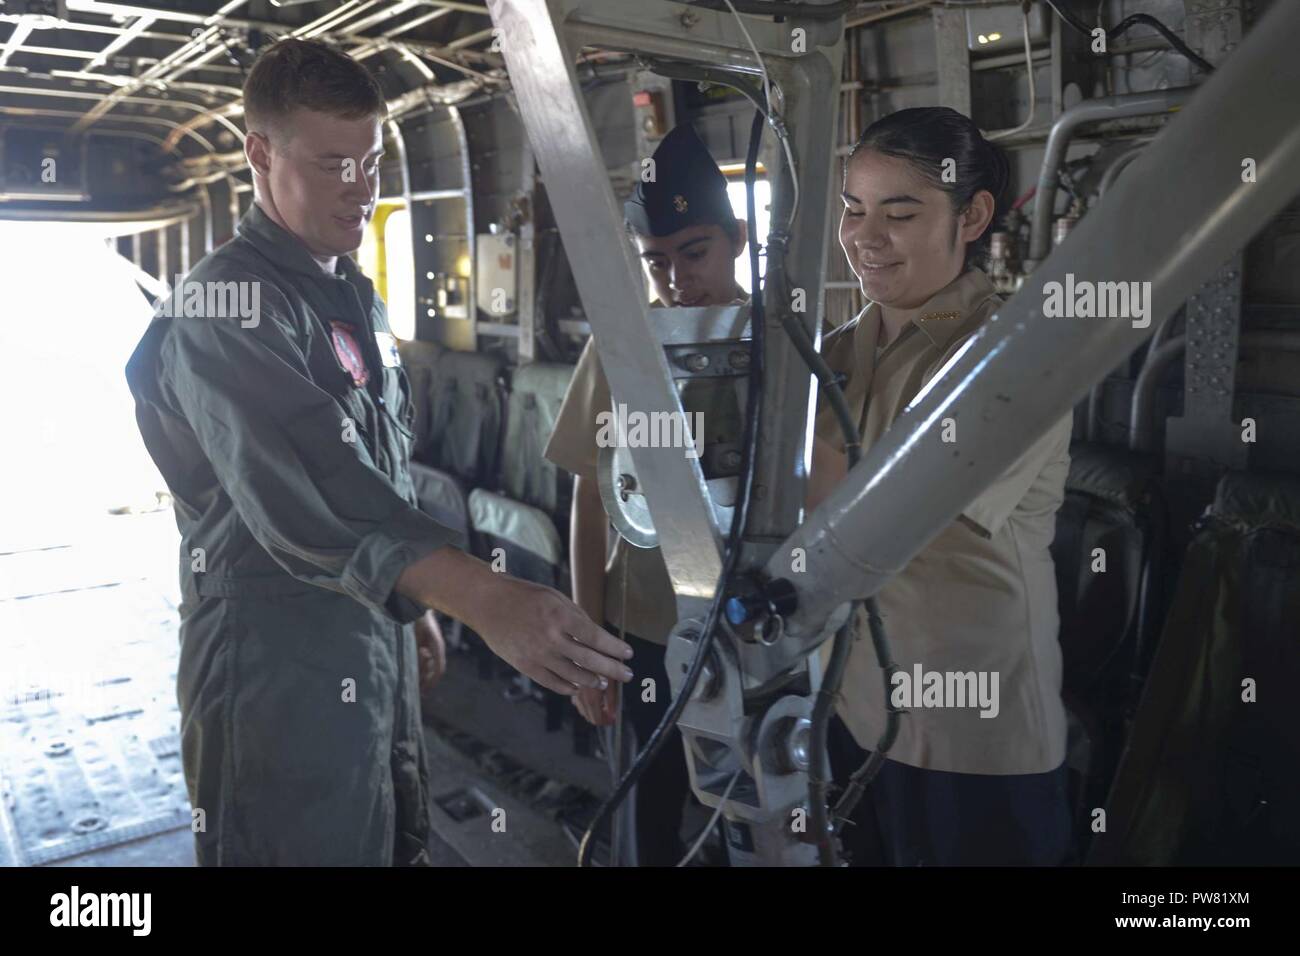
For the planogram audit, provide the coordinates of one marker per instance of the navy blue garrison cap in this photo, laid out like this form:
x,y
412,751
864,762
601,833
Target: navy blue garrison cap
x,y
688,190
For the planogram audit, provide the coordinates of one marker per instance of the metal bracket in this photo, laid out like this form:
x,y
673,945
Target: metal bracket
x,y
1205,440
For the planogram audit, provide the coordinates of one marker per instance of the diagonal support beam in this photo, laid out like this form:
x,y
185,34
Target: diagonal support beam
x,y
608,277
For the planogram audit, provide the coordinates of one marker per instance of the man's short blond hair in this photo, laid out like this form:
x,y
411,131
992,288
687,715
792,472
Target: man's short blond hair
x,y
307,74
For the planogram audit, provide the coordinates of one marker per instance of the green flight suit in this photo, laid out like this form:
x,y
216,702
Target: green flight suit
x,y
283,435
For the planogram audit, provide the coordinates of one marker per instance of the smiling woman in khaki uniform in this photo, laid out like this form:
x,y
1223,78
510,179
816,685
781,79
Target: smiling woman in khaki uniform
x,y
962,784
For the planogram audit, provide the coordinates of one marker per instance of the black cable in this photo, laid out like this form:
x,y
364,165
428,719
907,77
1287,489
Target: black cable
x,y
1131,21
863,776
739,517
823,828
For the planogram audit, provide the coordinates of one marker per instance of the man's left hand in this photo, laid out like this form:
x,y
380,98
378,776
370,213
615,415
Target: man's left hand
x,y
432,651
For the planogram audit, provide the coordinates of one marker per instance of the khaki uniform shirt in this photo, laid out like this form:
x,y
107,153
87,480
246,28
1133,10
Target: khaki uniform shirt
x,y
982,596
650,610
651,607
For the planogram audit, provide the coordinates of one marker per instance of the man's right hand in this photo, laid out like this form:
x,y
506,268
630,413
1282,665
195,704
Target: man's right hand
x,y
544,635
535,629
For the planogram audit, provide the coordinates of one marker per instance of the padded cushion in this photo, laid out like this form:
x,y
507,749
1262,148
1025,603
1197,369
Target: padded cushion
x,y
1210,777
468,409
420,359
1258,499
537,392
441,496
522,525
1109,497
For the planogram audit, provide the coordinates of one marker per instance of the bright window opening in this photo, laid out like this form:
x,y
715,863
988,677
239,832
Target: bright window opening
x,y
400,267
763,219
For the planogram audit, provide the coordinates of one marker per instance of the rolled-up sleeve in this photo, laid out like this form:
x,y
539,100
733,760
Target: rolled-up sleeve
x,y
279,446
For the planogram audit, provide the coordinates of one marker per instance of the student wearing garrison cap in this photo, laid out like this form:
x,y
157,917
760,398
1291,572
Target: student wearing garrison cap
x,y
688,240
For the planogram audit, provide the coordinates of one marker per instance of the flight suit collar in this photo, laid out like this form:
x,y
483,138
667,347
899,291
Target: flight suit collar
x,y
277,243
285,250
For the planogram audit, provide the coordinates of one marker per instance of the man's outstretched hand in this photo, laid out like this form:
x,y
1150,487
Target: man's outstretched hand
x,y
432,651
535,629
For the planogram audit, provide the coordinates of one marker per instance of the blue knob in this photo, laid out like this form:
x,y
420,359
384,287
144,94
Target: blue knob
x,y
736,611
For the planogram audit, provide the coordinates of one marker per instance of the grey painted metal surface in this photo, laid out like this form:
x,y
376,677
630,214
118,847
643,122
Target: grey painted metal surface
x,y
952,57
526,257
1089,111
540,64
1023,372
467,180
1142,410
1204,437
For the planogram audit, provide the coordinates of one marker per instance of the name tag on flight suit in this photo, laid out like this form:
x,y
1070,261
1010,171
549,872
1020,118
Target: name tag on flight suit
x,y
388,353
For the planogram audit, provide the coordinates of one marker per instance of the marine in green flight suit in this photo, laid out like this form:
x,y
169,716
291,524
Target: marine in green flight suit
x,y
270,395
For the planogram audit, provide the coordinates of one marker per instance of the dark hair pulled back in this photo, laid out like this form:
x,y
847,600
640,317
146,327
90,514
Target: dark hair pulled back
x,y
926,137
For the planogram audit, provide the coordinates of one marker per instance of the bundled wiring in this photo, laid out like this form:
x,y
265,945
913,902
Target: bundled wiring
x,y
773,117
1131,21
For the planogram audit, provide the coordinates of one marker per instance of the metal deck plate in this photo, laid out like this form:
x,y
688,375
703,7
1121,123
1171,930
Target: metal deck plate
x,y
89,743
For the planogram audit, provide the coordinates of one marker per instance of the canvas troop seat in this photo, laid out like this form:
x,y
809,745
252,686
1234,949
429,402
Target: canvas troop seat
x,y
1109,537
467,413
442,497
520,537
420,359
521,541
536,394
1211,774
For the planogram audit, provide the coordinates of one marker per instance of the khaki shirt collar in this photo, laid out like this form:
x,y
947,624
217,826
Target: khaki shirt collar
x,y
741,298
939,318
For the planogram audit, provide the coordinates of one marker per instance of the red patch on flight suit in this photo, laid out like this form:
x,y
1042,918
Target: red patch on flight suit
x,y
349,353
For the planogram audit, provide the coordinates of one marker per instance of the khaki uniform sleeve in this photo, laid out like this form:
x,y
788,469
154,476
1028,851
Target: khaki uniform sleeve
x,y
1046,460
573,442
275,441
837,350
1048,457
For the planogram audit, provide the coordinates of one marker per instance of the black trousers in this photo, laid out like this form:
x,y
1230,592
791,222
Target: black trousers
x,y
915,817
665,786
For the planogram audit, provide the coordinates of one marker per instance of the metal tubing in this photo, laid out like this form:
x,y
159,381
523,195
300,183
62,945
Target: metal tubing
x,y
1089,111
1143,409
1023,372
1144,392
204,114
1116,167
